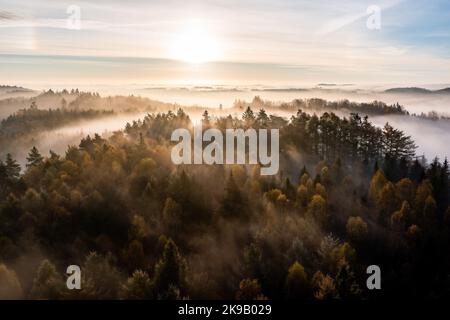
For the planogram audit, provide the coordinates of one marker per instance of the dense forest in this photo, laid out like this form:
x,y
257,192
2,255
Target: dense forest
x,y
26,121
321,105
78,100
348,195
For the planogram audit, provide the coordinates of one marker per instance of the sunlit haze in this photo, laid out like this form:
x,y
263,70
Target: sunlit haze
x,y
279,42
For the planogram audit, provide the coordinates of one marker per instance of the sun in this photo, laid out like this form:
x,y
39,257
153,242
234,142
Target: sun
x,y
195,44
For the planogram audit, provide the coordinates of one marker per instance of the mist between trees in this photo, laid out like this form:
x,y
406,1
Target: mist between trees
x,y
348,194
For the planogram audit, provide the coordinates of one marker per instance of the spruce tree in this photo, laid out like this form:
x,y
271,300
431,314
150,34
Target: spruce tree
x,y
34,158
12,167
170,272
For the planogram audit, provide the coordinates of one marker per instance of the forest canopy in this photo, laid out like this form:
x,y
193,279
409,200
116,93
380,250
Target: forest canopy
x,y
348,195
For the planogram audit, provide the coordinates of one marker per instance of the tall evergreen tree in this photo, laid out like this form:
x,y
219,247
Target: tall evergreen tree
x,y
248,116
47,284
34,158
12,167
170,272
396,144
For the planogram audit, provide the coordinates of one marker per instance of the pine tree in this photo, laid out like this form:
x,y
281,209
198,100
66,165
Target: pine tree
x,y
170,271
138,287
262,118
12,167
206,119
48,283
396,144
3,176
100,279
54,156
34,158
444,195
416,171
248,116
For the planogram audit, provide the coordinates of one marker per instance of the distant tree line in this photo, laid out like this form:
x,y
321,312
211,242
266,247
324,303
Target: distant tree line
x,y
321,105
34,119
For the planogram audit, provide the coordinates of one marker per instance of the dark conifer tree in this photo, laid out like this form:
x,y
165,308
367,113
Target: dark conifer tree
x,y
34,158
12,167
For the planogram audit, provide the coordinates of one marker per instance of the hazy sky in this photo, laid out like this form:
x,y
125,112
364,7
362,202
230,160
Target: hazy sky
x,y
224,41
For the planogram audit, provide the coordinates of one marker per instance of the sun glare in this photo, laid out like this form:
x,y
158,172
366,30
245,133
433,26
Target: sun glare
x,y
195,44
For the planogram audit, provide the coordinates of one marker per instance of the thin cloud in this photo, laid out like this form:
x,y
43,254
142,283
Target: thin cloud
x,y
6,15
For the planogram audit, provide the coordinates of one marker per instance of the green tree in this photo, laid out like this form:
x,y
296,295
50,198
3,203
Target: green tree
x,y
100,279
138,286
262,118
206,119
48,283
12,167
34,158
396,144
170,271
248,116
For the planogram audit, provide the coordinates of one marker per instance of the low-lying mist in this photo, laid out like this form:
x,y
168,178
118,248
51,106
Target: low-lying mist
x,y
59,139
431,136
214,97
